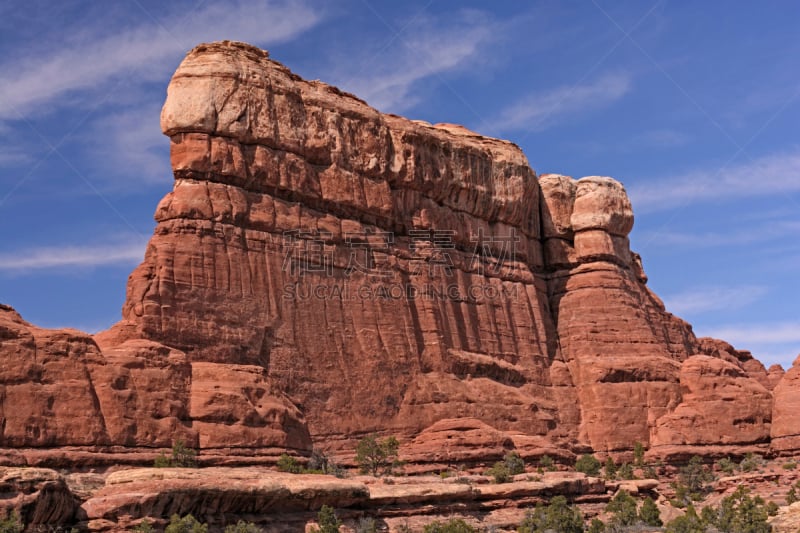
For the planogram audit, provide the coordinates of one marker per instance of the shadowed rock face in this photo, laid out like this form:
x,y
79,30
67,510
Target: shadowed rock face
x,y
319,262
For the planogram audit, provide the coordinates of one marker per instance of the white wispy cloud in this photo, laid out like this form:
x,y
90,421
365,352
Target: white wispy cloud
x,y
427,48
129,252
661,138
149,51
770,342
133,143
746,234
767,175
704,299
538,111
771,333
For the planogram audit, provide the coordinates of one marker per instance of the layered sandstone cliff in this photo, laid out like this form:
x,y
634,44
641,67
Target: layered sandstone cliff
x,y
321,270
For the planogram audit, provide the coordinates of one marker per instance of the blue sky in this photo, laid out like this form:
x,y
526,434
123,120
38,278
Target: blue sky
x,y
693,106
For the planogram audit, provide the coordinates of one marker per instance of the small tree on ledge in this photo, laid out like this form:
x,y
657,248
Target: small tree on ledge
x,y
374,456
182,457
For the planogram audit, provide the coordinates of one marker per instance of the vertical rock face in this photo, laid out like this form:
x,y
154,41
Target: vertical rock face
x,y
321,270
390,274
786,411
58,389
381,270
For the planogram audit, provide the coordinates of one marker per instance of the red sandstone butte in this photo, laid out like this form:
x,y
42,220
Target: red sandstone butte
x,y
321,271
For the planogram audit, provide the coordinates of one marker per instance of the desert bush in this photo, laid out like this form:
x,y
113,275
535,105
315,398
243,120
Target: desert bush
x,y
514,463
649,472
688,523
790,465
454,525
243,527
638,454
547,463
11,523
588,464
186,524
499,471
626,471
726,465
145,526
623,509
596,526
693,480
751,462
327,521
649,513
557,516
366,525
287,463
182,457
610,468
791,496
739,513
374,456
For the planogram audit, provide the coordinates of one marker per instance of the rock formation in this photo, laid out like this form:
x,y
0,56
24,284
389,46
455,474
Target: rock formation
x,y
321,271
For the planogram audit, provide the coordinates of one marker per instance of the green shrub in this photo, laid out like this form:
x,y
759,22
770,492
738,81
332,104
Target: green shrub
x,y
588,464
626,471
454,525
750,462
327,520
499,471
366,525
649,513
187,524
688,523
791,465
557,516
145,526
547,463
610,468
181,457
514,463
772,508
638,454
726,465
596,526
791,496
740,513
319,462
243,527
649,472
623,509
693,480
11,523
286,463
681,498
374,456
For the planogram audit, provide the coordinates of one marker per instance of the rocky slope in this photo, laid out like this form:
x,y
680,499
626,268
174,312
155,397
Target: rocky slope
x,y
321,271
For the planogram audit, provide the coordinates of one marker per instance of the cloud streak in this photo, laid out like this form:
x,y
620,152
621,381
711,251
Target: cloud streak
x,y
427,49
704,299
148,50
751,234
540,111
56,257
768,175
773,333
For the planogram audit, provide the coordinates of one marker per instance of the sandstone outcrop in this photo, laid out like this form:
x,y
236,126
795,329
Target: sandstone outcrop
x,y
321,271
785,429
40,496
65,401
